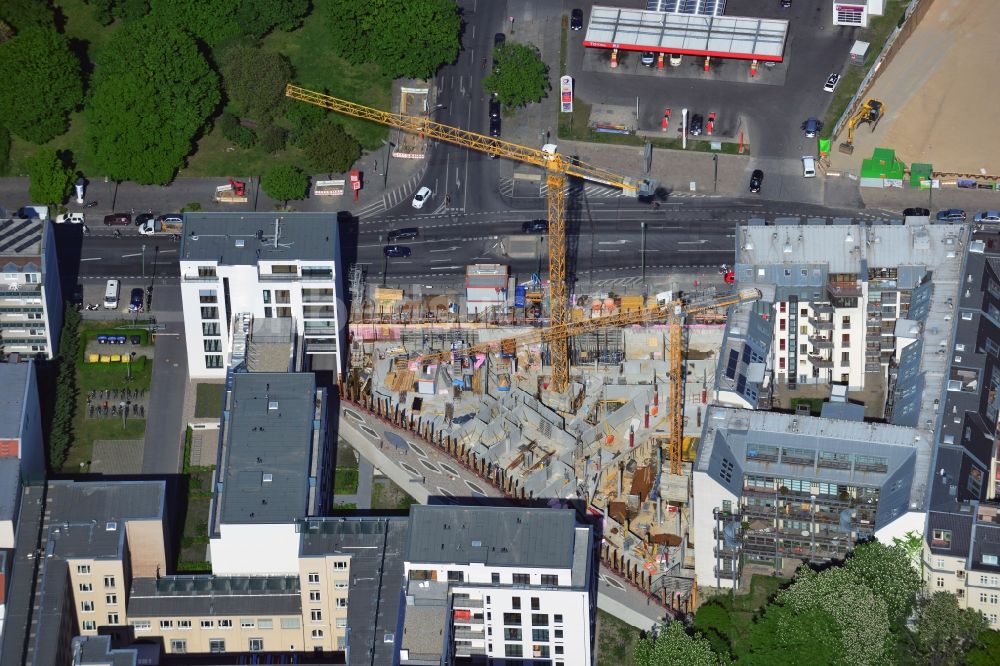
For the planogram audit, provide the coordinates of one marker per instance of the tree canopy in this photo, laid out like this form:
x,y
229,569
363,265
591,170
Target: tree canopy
x,y
410,39
42,84
255,80
520,76
220,21
284,183
672,645
152,92
888,572
50,177
330,148
944,631
23,14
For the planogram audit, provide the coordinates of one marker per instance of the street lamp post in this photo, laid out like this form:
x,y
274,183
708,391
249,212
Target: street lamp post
x,y
143,261
388,154
642,253
715,183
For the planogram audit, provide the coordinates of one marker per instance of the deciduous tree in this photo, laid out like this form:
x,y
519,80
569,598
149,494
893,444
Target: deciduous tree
x,y
330,148
255,80
520,76
23,14
284,183
786,637
42,84
672,645
409,39
152,92
944,631
51,178
221,21
888,572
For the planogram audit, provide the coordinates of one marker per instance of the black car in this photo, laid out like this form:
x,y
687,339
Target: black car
x,y
397,251
916,212
135,300
498,41
756,178
786,3
116,219
494,107
495,126
576,19
535,227
403,234
696,126
143,218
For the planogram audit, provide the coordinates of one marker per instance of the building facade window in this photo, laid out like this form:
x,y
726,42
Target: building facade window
x,y
313,595
86,587
89,625
207,624
512,618
209,312
341,602
109,582
515,603
87,606
513,650
183,624
210,328
495,578
178,645
216,645
313,577
540,635
512,633
256,644
316,615
317,634
247,623
225,624
83,569
539,620
166,625
111,599
212,344
521,579
535,604
213,360
112,618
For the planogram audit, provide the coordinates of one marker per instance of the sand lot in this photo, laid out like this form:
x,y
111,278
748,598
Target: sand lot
x,y
942,92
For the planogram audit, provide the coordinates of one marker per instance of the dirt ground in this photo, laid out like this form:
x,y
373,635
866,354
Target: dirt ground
x,y
938,92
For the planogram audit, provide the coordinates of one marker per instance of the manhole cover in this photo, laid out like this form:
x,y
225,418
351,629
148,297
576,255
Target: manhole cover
x,y
429,465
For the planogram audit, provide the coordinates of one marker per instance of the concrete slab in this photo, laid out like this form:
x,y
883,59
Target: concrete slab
x,y
117,456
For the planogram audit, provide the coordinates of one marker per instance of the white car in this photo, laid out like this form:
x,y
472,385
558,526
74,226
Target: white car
x,y
421,197
831,83
988,216
70,218
808,166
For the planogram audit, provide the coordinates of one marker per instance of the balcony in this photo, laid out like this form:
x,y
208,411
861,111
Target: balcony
x,y
822,308
469,634
820,342
466,602
821,324
23,289
325,313
199,278
844,289
317,296
819,361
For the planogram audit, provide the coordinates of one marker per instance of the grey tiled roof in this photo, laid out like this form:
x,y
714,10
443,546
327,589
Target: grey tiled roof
x,y
269,432
221,596
13,377
495,536
960,527
241,238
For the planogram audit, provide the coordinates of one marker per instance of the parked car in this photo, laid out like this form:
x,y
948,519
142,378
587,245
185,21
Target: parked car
x,y
117,219
421,197
495,127
696,125
576,19
70,218
135,300
170,218
785,4
756,178
917,212
808,166
498,41
397,251
675,60
831,83
535,227
988,216
403,234
811,126
950,214
648,58
494,107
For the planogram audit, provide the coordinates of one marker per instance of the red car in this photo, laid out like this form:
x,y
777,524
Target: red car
x,y
117,219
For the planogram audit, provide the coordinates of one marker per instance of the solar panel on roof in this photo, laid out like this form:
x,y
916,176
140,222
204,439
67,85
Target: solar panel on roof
x,y
27,244
734,360
694,7
741,383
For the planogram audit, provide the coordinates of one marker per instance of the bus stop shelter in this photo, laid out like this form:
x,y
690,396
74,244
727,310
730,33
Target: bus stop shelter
x,y
708,36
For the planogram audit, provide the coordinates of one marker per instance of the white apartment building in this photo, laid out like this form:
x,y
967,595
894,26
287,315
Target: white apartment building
x,y
839,291
510,585
31,306
236,267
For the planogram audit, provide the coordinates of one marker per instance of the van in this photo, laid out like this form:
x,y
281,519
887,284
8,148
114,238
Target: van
x,y
808,166
111,295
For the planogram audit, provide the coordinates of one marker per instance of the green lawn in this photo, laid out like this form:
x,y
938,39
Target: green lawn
x,y
815,404
875,34
615,641
346,455
195,536
345,481
345,506
208,401
725,620
387,495
310,51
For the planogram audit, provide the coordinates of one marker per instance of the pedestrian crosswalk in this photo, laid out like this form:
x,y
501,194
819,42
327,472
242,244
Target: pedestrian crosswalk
x,y
392,198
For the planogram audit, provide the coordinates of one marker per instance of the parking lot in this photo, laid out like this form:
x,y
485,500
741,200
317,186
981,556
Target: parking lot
x,y
769,107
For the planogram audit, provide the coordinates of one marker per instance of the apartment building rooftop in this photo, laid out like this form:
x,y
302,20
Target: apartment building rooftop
x,y
10,488
241,238
174,596
14,379
96,651
738,442
267,452
494,536
20,239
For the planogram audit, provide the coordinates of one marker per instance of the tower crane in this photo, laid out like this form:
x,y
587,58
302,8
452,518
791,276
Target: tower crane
x,y
557,167
675,312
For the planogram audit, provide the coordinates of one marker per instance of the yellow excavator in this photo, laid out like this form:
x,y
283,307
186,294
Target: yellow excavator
x,y
871,112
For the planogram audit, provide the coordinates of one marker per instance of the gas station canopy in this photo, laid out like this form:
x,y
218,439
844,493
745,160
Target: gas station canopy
x,y
687,34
